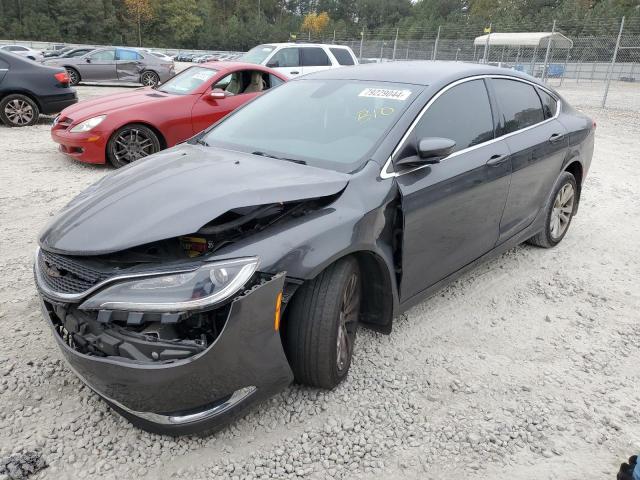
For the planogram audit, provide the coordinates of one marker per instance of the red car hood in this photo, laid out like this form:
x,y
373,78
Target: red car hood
x,y
110,103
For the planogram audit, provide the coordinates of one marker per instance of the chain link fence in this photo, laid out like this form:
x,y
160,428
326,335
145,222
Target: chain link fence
x,y
600,67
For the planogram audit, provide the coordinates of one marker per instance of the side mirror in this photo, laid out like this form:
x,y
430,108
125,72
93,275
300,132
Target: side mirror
x,y
88,60
217,94
273,64
430,150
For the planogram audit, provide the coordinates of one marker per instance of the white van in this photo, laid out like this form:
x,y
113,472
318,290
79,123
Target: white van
x,y
293,59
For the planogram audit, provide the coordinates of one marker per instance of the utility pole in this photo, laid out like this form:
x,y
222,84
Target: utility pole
x,y
613,61
395,43
486,45
435,46
361,42
546,55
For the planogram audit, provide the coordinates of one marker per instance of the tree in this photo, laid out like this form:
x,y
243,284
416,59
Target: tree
x,y
140,10
315,22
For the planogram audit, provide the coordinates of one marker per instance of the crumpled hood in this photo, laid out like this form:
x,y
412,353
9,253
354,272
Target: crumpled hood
x,y
176,192
110,103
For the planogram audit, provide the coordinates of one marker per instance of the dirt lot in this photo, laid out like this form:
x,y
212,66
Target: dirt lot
x,y
525,368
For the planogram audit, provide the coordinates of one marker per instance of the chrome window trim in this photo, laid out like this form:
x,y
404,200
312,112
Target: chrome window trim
x,y
384,173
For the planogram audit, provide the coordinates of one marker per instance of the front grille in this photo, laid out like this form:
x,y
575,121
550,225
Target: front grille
x,y
66,275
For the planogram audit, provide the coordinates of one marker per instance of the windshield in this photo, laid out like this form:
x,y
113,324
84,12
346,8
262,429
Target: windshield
x,y
188,80
326,123
257,54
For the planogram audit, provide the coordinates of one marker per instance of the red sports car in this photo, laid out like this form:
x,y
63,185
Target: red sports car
x,y
124,127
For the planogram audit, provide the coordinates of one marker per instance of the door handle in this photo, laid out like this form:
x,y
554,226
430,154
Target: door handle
x,y
496,160
294,73
556,137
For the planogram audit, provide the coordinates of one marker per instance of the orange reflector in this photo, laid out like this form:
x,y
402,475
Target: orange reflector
x,y
93,139
276,320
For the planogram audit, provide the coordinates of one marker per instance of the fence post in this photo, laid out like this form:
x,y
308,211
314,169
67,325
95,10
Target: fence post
x,y
533,61
361,41
613,61
564,69
435,46
546,55
334,35
395,44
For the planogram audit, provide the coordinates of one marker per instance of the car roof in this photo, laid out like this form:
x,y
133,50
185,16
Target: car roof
x,y
233,65
414,72
297,44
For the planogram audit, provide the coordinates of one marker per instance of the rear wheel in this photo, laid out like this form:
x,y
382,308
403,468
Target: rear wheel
x,y
74,76
18,111
130,143
321,325
149,79
560,210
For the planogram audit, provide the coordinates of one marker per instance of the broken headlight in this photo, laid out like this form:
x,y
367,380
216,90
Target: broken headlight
x,y
209,284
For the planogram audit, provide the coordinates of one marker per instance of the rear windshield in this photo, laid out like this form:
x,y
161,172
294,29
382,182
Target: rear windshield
x,y
188,80
257,54
332,124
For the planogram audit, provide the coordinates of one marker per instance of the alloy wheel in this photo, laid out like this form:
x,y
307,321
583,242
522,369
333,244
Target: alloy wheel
x,y
132,144
562,211
73,76
19,112
149,79
348,322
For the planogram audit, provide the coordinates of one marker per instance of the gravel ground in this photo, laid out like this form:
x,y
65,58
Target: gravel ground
x,y
525,368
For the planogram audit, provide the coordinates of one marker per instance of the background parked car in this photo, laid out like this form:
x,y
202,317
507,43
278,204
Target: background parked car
x,y
23,51
56,52
66,53
161,56
125,127
115,64
28,89
293,59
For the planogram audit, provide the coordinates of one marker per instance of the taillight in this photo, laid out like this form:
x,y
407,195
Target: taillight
x,y
62,77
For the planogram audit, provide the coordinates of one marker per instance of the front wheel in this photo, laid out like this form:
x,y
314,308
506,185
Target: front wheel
x,y
18,111
321,325
560,211
130,143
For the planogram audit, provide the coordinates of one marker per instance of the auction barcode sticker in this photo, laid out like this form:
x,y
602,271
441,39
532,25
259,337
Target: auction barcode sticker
x,y
385,93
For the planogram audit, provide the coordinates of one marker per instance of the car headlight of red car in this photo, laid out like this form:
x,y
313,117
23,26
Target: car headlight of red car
x,y
88,124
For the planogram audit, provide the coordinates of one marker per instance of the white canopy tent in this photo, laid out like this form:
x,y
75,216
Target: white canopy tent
x,y
524,39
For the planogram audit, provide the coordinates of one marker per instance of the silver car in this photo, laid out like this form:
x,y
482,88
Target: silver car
x,y
23,51
116,64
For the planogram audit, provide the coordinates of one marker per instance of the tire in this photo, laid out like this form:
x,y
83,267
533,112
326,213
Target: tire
x,y
18,111
74,76
130,143
560,209
320,314
149,78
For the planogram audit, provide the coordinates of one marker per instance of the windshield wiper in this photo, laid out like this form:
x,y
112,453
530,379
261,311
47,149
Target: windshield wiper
x,y
294,160
200,141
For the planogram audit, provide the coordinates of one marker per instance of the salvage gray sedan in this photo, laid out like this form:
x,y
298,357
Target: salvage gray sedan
x,y
201,279
116,65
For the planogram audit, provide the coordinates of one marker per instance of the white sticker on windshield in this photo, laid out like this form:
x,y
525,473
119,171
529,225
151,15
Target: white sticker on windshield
x,y
385,93
203,75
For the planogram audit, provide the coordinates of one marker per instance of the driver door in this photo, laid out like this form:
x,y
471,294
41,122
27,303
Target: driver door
x,y
452,209
99,66
207,111
287,61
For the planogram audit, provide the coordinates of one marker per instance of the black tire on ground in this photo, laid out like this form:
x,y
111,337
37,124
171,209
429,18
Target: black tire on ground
x,y
144,142
149,78
18,110
74,76
314,325
546,237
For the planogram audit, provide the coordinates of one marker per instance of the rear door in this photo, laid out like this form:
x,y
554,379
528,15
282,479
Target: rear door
x,y
452,209
99,66
314,59
4,68
128,65
538,145
287,61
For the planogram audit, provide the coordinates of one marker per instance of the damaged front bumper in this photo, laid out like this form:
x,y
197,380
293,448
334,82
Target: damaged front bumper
x,y
170,389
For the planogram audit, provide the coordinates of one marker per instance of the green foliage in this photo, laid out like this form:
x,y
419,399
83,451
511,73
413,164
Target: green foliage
x,y
241,24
